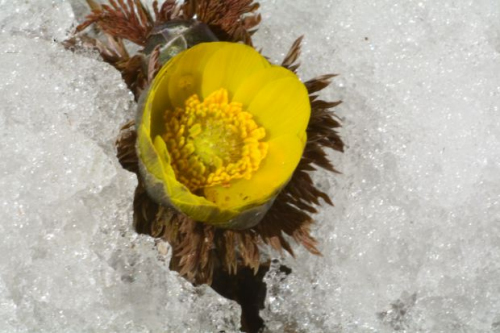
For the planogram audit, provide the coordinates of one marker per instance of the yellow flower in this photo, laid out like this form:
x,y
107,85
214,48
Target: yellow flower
x,y
220,132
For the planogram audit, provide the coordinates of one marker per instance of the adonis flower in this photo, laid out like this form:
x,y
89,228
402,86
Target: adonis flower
x,y
220,133
223,143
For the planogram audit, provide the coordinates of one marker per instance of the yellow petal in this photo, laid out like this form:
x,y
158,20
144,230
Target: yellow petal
x,y
147,153
282,107
185,78
250,87
230,66
274,172
177,80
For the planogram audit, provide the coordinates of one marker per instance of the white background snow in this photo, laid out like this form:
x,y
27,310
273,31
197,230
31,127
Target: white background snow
x,y
412,245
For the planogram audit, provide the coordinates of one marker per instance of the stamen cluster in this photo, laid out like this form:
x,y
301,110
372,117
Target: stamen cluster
x,y
213,142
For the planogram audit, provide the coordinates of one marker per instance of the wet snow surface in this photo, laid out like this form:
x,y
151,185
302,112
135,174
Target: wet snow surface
x,y
412,245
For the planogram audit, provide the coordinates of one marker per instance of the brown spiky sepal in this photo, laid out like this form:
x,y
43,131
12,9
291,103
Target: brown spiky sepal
x,y
139,71
199,250
125,19
169,10
121,19
230,20
125,145
291,59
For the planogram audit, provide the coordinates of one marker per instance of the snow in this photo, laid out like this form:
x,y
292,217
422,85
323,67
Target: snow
x,y
412,244
416,221
69,258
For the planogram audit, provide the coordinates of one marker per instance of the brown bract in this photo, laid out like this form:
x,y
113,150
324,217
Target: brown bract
x,y
127,19
229,20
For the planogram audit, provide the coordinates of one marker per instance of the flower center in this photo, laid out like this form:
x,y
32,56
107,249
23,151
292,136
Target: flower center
x,y
213,142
